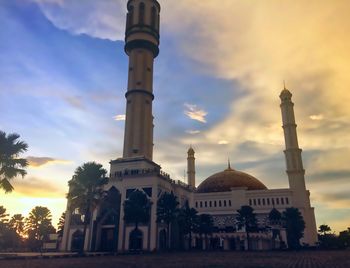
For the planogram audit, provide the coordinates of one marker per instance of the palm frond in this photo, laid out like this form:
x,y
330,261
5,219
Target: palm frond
x,y
6,185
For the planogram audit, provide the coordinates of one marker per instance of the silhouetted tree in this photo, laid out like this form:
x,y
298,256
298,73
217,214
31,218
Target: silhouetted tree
x,y
10,164
275,217
323,229
167,210
206,226
188,222
17,224
38,225
137,208
295,225
246,218
60,225
344,238
85,190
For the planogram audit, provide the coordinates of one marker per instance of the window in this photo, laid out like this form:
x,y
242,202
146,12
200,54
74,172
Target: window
x,y
277,201
129,17
142,13
229,202
205,204
200,204
273,201
268,201
210,204
196,204
250,202
153,17
215,203
282,200
254,201
259,202
224,203
219,203
263,201
287,200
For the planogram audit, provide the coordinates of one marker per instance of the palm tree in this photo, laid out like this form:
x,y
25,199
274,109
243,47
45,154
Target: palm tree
x,y
17,224
206,226
167,210
10,164
38,225
246,218
137,208
3,215
188,222
324,229
295,225
275,222
85,190
61,222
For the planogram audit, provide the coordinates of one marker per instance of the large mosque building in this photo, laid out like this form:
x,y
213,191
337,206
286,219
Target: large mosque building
x,y
220,195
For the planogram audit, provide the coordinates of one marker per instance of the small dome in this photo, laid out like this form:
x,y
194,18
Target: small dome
x,y
285,94
227,179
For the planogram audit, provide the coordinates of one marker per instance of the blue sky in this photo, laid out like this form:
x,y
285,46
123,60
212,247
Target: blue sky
x,y
63,74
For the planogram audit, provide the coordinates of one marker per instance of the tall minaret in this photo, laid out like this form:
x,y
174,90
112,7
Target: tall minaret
x,y
141,45
295,170
191,170
292,152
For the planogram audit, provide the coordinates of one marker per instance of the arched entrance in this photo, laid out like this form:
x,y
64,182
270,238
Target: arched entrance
x,y
77,241
107,223
135,240
162,240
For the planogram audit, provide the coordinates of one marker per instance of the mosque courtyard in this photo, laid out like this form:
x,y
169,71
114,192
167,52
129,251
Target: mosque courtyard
x,y
271,259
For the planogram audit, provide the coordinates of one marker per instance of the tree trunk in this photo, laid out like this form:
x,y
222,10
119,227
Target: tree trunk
x,y
248,239
168,235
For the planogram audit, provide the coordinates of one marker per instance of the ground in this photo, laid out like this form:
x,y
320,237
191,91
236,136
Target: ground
x,y
307,259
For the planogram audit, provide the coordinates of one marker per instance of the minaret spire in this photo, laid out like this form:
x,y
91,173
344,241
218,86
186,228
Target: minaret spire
x,y
295,169
141,45
191,169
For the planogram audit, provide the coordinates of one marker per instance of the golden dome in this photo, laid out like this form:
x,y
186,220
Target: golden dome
x,y
227,179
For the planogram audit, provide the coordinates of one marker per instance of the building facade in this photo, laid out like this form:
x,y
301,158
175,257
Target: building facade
x,y
220,195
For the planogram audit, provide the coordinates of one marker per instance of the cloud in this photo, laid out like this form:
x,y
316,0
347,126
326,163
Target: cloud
x,y
193,132
119,117
222,142
195,113
101,19
34,161
316,117
31,186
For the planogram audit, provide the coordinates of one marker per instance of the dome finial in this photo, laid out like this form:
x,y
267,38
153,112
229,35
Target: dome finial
x,y
284,84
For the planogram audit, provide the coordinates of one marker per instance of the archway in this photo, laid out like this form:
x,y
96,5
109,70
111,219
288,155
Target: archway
x,y
135,240
162,240
77,241
108,222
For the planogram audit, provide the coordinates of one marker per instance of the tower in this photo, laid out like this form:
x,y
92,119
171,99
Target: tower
x,y
295,169
191,170
141,45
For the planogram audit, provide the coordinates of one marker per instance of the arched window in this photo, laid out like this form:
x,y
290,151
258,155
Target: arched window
x,y
142,13
153,17
130,17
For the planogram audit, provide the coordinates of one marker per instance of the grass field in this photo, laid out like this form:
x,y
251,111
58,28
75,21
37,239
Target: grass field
x,y
307,259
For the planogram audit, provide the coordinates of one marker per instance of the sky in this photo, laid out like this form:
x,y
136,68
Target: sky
x,y
217,79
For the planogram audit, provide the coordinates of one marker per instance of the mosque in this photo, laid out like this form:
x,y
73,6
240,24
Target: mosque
x,y
220,195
